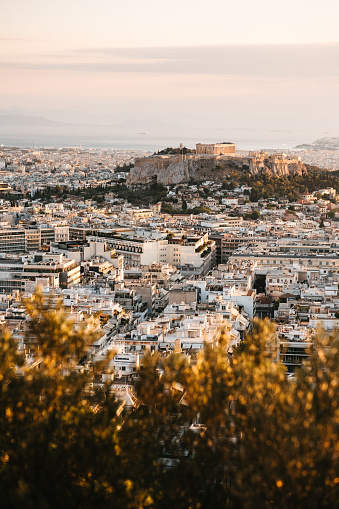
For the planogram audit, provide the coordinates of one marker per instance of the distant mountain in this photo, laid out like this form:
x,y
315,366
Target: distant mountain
x,y
14,110
147,124
327,143
28,121
155,130
37,127
128,126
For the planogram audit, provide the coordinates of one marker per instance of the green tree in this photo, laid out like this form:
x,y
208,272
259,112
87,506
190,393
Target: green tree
x,y
263,440
255,215
274,440
254,195
53,429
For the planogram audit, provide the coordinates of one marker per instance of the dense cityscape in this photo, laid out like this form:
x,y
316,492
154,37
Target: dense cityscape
x,y
169,255
135,271
162,269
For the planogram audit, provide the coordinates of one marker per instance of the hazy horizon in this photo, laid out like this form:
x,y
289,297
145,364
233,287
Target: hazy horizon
x,y
194,65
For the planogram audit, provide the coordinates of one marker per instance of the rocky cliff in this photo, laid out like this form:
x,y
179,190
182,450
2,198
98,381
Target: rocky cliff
x,y
173,170
278,166
145,173
170,170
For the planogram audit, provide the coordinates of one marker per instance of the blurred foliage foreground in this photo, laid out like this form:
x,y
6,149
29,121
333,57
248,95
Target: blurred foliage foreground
x,y
263,441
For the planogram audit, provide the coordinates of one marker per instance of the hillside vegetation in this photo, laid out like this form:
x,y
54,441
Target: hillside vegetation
x,y
257,439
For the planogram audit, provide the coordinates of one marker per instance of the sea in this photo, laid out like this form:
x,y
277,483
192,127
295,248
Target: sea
x,y
245,140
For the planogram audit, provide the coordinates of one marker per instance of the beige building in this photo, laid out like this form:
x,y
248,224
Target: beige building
x,y
215,149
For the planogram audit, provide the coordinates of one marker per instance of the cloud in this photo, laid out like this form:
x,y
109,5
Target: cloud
x,y
245,83
24,39
265,61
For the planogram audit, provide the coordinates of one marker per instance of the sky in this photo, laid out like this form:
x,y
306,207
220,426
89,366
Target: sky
x,y
215,63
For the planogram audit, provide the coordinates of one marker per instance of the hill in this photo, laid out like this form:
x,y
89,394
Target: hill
x,y
174,169
327,143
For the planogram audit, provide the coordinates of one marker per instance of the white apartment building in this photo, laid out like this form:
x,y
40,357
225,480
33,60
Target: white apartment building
x,y
195,252
277,280
61,233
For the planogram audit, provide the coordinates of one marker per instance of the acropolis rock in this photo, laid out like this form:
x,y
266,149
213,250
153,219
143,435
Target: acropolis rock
x,y
174,169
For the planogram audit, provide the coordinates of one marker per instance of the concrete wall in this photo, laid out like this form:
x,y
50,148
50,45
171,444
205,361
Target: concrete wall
x,y
215,148
178,296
